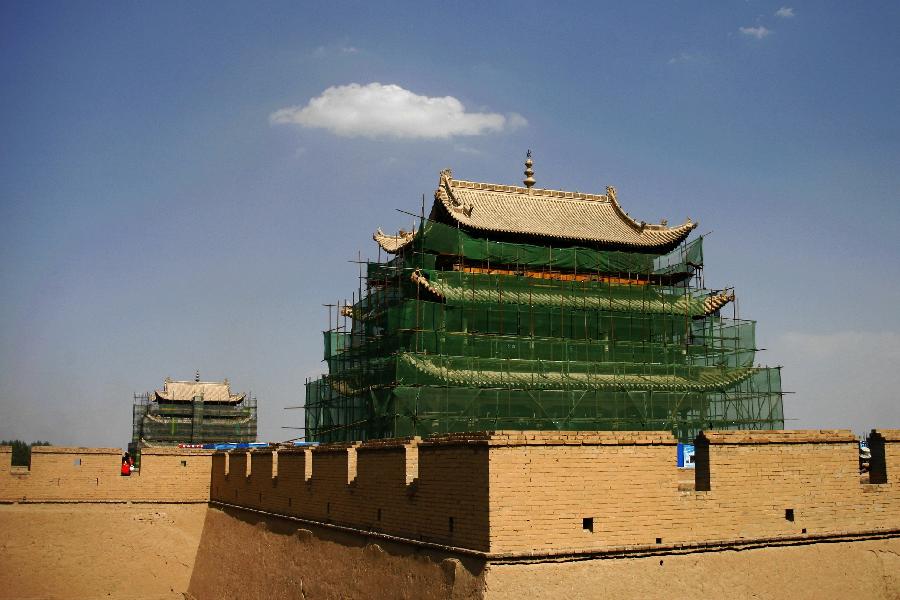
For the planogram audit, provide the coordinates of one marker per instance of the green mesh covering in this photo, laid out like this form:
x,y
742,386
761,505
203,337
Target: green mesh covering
x,y
459,332
439,239
169,423
462,288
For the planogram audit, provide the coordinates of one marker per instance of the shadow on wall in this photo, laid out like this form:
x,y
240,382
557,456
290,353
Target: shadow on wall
x,y
249,555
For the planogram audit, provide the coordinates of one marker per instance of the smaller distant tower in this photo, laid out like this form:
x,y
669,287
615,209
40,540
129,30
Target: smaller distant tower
x,y
192,412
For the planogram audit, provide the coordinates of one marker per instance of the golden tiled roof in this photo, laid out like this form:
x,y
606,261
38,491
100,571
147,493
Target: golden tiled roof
x,y
546,377
211,391
393,243
574,216
572,296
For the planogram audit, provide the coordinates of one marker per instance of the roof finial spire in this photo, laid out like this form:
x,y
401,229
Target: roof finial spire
x,y
197,376
529,172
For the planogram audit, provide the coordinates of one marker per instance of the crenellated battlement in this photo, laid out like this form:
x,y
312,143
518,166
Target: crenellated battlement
x,y
511,492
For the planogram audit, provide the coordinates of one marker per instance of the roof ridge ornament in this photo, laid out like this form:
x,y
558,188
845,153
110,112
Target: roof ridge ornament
x,y
611,193
529,172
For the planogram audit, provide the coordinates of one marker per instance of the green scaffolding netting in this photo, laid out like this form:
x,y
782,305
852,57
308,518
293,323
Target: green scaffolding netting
x,y
435,238
463,288
192,422
545,333
455,333
424,410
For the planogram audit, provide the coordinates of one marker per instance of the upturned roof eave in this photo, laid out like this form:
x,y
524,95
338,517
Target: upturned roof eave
x,y
666,237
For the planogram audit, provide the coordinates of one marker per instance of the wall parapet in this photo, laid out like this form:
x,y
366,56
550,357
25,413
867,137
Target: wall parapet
x,y
73,450
554,438
785,436
508,493
75,474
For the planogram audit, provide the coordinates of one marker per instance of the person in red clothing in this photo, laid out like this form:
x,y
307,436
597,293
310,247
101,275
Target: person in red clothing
x,y
126,467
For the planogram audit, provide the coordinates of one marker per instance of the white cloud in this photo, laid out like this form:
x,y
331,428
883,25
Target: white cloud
x,y
757,32
333,50
515,121
467,150
687,57
785,12
376,111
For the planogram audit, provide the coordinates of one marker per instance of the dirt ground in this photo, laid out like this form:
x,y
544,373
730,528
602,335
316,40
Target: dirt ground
x,y
134,552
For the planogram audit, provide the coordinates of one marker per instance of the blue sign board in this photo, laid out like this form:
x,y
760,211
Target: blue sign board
x,y
685,456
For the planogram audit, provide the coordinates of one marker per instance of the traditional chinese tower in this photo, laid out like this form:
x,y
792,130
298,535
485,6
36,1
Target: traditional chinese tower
x,y
525,308
192,412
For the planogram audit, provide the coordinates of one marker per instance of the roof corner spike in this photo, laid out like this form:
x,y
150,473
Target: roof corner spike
x,y
529,172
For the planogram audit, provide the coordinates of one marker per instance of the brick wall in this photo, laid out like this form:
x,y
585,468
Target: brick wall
x,y
758,486
885,463
405,487
521,492
544,486
513,492
93,475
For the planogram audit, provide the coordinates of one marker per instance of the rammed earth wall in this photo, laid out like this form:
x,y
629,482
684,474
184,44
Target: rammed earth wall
x,y
93,475
410,488
490,515
553,493
515,493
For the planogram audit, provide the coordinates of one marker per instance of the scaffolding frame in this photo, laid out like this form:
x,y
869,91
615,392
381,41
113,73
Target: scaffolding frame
x,y
434,341
157,423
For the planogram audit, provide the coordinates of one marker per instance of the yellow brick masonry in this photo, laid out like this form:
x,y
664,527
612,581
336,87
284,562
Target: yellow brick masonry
x,y
511,492
543,486
60,474
400,487
543,489
529,492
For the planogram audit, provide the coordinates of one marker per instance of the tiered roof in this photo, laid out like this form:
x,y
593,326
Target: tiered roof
x,y
574,217
186,391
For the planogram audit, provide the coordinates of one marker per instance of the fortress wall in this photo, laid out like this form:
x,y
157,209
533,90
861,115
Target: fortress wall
x,y
453,484
277,558
755,478
260,557
370,486
885,463
746,482
892,439
60,474
527,492
544,485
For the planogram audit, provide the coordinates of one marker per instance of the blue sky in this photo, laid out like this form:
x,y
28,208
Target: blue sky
x,y
156,218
